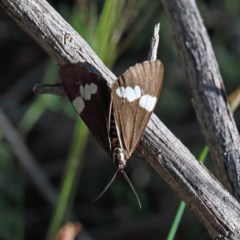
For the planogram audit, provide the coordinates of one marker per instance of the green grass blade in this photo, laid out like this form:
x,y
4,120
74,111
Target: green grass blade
x,y
105,28
35,111
12,185
203,154
71,175
176,221
40,104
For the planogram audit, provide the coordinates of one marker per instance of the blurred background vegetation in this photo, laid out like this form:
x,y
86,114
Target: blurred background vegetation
x,y
76,166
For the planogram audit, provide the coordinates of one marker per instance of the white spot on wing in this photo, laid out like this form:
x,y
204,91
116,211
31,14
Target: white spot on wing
x,y
87,90
145,101
121,92
129,93
79,104
93,88
81,90
87,93
137,91
148,102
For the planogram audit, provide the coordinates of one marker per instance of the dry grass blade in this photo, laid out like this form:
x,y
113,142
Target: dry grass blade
x,y
27,160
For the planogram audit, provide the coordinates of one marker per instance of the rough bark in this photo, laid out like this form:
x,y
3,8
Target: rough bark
x,y
209,98
215,207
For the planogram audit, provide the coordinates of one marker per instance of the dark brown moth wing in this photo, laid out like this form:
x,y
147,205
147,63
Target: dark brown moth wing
x,y
90,96
134,96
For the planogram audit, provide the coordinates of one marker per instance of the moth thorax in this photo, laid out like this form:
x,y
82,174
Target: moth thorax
x,y
119,158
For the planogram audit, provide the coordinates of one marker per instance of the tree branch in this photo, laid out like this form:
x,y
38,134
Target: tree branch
x,y
57,89
214,206
209,97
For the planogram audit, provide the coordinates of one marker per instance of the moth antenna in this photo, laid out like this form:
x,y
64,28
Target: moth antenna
x,y
106,188
132,187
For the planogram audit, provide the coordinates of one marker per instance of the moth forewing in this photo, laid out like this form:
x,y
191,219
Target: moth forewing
x,y
90,96
134,96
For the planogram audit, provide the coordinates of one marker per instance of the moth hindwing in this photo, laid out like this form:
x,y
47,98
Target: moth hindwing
x,y
90,96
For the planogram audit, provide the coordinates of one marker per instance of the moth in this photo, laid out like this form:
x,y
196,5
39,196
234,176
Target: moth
x,y
118,116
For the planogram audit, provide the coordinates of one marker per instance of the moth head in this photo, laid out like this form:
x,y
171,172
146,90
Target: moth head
x,y
119,158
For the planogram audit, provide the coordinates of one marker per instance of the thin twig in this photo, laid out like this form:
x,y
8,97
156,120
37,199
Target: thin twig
x,y
56,89
152,55
27,160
